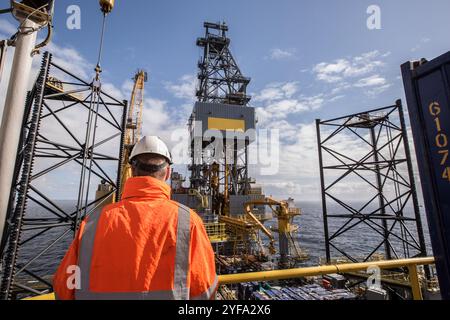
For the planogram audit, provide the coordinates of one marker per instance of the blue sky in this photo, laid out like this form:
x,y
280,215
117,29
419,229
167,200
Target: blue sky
x,y
307,59
160,37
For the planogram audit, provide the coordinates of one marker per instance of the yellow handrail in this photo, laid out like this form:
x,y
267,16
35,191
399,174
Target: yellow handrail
x,y
411,264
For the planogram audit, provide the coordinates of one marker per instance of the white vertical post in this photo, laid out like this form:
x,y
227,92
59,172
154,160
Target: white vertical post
x,y
14,111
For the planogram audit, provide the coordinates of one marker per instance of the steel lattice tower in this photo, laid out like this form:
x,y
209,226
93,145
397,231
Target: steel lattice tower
x,y
376,161
222,93
221,80
73,139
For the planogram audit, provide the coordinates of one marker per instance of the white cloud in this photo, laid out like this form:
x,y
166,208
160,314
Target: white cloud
x,y
361,72
284,188
282,109
371,81
155,116
298,174
280,54
184,89
299,170
127,86
336,98
66,57
331,72
374,85
71,59
73,118
378,90
278,101
342,69
158,118
276,91
115,92
419,46
340,87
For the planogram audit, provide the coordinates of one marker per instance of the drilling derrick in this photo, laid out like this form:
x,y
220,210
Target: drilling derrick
x,y
221,80
222,128
219,123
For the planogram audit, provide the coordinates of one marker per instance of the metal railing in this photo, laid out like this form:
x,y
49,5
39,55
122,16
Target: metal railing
x,y
216,232
411,264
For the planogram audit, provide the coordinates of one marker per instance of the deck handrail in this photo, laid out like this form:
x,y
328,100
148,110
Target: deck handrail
x,y
411,264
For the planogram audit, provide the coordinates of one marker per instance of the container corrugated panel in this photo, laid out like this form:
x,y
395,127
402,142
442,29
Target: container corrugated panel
x,y
427,89
260,297
309,292
203,111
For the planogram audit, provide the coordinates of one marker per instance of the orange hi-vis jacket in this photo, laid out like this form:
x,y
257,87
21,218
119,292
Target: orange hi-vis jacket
x,y
145,247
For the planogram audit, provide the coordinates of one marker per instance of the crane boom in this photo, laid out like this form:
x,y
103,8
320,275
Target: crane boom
x,y
134,123
284,213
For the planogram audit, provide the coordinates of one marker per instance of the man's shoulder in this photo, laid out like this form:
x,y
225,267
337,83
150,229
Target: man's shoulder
x,y
170,205
113,207
195,218
176,205
123,205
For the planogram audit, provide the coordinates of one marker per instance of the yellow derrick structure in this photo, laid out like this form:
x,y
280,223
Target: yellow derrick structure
x,y
134,123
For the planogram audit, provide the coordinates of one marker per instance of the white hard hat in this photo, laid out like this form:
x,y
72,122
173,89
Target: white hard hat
x,y
151,145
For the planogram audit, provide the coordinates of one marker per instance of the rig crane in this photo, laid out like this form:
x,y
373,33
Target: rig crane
x,y
134,122
284,212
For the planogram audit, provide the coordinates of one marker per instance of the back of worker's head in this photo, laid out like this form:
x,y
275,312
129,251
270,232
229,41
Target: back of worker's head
x,y
151,158
151,165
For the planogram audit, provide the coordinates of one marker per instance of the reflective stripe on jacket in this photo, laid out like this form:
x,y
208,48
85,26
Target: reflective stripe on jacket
x,y
145,247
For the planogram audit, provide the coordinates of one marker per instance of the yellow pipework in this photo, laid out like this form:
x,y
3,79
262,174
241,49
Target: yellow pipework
x,y
46,297
411,264
249,213
226,195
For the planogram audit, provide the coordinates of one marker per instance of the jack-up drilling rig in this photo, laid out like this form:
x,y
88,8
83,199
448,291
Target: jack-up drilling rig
x,y
222,128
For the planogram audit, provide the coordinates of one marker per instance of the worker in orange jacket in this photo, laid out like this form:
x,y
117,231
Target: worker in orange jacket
x,y
145,247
